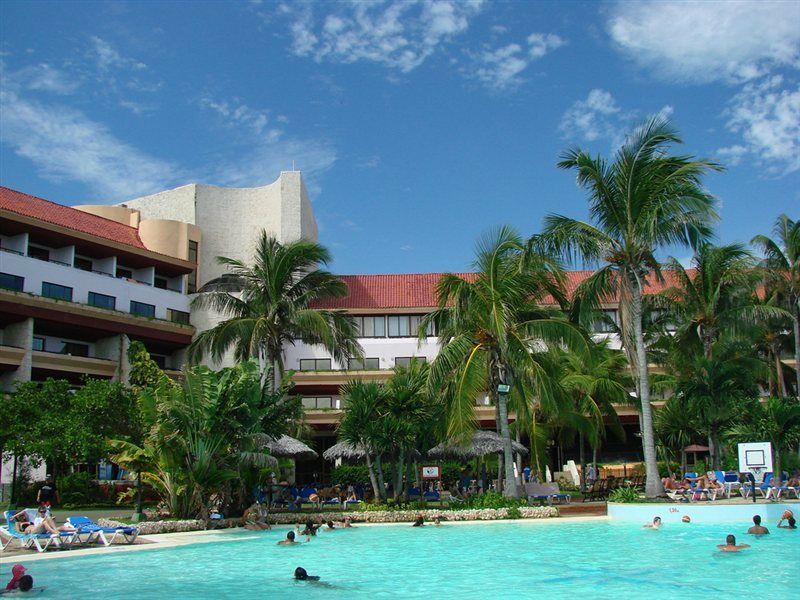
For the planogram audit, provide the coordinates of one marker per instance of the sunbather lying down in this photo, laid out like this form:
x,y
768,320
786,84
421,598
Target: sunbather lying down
x,y
42,523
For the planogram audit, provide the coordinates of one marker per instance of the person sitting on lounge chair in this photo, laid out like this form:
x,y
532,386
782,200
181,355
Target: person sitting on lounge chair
x,y
351,494
42,523
757,528
731,546
672,483
654,525
709,482
255,518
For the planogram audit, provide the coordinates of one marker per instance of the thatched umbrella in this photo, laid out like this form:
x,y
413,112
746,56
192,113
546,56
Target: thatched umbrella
x,y
347,451
288,447
481,444
344,450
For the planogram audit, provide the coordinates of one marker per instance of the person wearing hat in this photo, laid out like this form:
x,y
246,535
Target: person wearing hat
x,y
17,573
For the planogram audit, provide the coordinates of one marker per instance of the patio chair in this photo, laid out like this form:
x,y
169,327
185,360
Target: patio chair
x,y
432,496
730,481
39,541
414,493
763,487
547,492
98,533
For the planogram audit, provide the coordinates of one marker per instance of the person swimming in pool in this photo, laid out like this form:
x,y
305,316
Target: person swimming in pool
x,y
787,516
302,575
731,546
289,541
311,528
419,522
654,525
757,528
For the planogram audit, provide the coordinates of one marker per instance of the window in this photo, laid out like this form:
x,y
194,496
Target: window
x,y
404,361
415,322
371,326
399,326
124,273
38,344
11,282
38,252
161,361
160,283
606,323
102,300
178,316
317,402
192,251
367,364
142,309
84,264
53,290
315,364
75,349
191,278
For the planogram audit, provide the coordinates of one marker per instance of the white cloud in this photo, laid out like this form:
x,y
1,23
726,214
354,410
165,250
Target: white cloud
x,y
711,40
235,112
732,155
599,117
406,247
66,145
400,34
500,69
107,57
44,78
767,115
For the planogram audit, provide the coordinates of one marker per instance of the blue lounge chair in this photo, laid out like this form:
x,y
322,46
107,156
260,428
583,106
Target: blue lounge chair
x,y
95,532
40,541
414,493
431,496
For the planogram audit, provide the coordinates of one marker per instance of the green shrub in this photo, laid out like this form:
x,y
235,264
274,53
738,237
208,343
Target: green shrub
x,y
491,500
350,475
624,495
78,489
514,513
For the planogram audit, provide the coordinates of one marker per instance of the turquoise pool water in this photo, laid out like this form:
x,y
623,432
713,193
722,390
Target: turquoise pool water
x,y
561,559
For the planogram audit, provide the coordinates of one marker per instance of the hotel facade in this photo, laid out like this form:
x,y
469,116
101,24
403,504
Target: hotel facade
x,y
78,284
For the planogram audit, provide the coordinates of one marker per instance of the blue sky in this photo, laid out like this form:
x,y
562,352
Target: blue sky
x,y
418,125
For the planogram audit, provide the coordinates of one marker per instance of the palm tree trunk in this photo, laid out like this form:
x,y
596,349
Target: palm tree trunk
x,y
779,373
519,458
509,486
796,324
372,479
594,463
581,459
398,477
381,482
653,486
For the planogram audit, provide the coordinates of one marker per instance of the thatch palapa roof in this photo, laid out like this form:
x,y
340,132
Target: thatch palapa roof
x,y
289,447
344,450
481,444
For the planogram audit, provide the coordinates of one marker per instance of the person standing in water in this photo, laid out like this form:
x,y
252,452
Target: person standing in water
x,y
731,546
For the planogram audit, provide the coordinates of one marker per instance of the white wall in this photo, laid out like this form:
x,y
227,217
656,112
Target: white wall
x,y
36,271
385,349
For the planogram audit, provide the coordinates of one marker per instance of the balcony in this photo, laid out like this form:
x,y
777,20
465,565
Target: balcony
x,y
85,365
10,357
124,292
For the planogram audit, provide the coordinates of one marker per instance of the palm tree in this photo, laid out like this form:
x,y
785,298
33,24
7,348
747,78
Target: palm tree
x,y
268,305
409,416
493,331
646,199
716,299
201,437
782,264
776,421
713,390
597,382
675,428
362,425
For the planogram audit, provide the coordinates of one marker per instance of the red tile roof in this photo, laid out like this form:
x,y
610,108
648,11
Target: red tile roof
x,y
418,290
71,218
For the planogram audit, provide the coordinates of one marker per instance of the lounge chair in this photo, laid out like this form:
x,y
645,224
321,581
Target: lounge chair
x,y
431,496
95,532
414,493
547,492
764,487
40,541
730,481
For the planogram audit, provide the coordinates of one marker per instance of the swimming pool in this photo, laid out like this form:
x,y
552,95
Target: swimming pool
x,y
515,559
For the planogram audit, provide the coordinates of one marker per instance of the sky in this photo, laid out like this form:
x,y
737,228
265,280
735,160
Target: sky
x,y
418,125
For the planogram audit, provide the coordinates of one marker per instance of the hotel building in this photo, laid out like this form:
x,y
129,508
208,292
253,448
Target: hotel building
x,y
77,284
